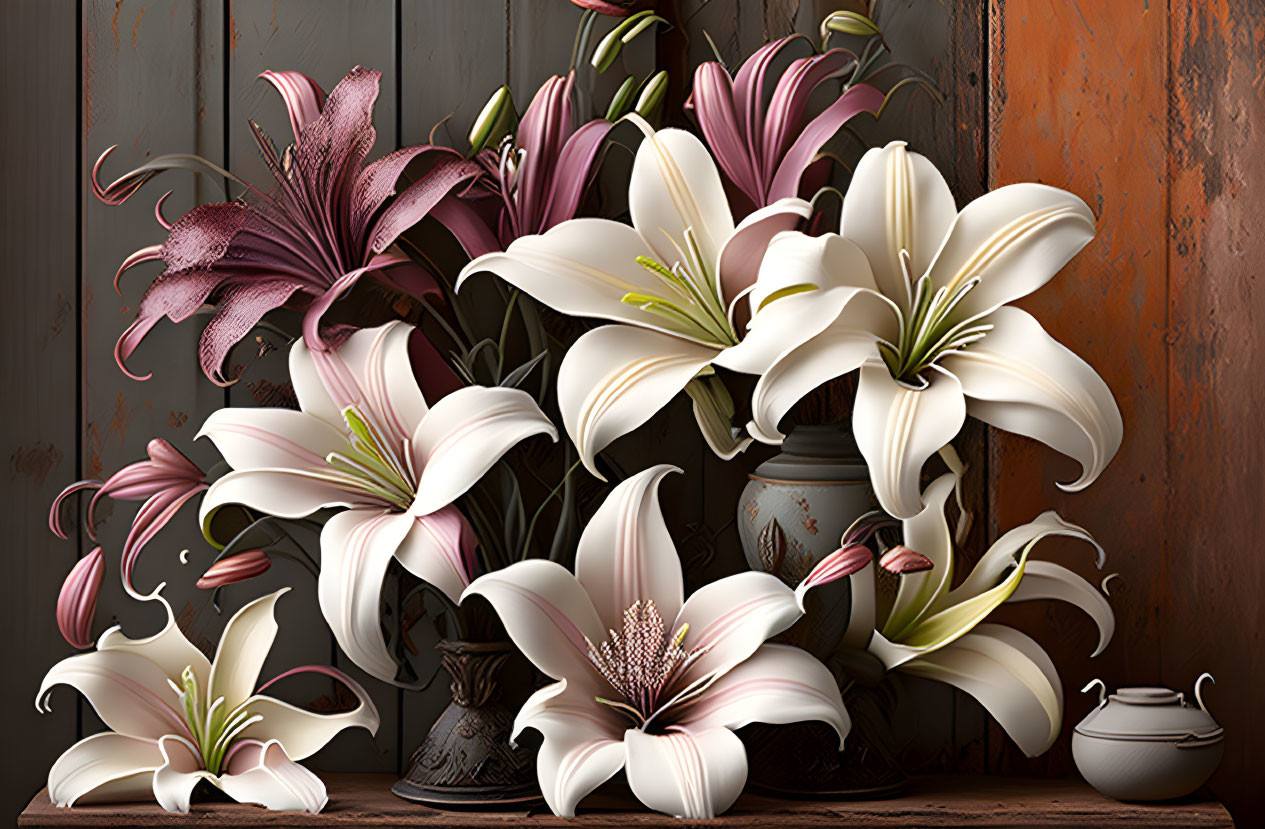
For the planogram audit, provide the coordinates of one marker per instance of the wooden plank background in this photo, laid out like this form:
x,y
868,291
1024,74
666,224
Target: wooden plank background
x,y
1149,109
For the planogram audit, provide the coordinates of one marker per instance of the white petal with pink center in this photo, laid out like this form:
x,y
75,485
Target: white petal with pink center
x,y
367,441
177,719
647,682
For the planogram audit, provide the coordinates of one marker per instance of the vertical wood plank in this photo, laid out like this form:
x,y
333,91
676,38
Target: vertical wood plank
x,y
151,84
1212,615
453,56
324,40
1086,111
39,53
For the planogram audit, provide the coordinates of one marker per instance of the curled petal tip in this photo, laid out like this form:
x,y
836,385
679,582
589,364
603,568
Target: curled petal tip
x,y
77,602
1107,580
901,560
158,211
234,569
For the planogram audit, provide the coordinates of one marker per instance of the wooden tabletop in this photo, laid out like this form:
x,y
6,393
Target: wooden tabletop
x,y
365,800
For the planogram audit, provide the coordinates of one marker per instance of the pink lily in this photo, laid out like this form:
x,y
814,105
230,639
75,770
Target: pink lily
x,y
305,243
77,602
534,182
604,7
765,151
166,481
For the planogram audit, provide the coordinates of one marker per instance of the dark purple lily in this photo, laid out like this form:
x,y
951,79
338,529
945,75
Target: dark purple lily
x,y
166,482
534,182
765,151
325,223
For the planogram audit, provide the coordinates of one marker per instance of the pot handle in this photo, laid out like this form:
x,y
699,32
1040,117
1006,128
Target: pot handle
x,y
1199,690
1102,691
1197,741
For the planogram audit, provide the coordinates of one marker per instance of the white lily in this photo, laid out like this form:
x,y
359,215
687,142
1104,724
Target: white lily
x,y
176,719
366,440
948,345
936,632
678,282
661,694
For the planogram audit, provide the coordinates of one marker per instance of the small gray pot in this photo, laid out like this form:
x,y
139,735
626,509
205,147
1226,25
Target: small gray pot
x,y
1147,743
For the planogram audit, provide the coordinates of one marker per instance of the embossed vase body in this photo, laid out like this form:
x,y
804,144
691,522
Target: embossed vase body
x,y
466,759
792,513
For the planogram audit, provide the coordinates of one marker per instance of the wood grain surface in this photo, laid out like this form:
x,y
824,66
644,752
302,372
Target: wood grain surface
x,y
1152,110
944,800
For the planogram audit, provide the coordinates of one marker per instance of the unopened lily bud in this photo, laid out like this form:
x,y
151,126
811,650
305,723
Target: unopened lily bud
x,y
602,7
622,99
606,52
901,560
848,23
497,118
235,568
839,564
77,602
652,95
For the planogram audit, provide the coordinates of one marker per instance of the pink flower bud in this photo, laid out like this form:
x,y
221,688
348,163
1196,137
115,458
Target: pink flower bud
x,y
235,568
77,602
901,560
839,564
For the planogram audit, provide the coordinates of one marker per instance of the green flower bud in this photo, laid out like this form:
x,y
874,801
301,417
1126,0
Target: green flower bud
x,y
497,119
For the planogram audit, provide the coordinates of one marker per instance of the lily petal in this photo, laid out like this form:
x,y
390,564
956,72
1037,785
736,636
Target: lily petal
x,y
271,779
272,438
674,187
584,268
1047,580
439,550
303,97
168,649
926,533
731,618
686,773
180,772
626,554
778,684
1010,675
285,493
303,733
1014,240
356,547
546,613
742,253
105,766
897,201
1003,554
243,647
857,99
614,378
460,439
1020,379
583,743
897,428
131,694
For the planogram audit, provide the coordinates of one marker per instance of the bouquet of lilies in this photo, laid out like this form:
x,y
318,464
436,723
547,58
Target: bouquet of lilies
x,y
412,426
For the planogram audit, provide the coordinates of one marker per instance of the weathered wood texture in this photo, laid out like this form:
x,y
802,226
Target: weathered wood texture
x,y
39,340
1153,113
946,800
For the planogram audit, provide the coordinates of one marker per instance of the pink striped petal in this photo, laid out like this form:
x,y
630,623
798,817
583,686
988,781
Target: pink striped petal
x,y
572,170
411,206
859,98
303,97
904,560
731,618
77,602
234,569
54,513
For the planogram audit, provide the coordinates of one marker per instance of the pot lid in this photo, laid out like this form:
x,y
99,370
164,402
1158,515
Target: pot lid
x,y
1148,713
813,453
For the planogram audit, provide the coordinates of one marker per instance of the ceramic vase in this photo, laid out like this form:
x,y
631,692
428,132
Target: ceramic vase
x,y
466,760
792,513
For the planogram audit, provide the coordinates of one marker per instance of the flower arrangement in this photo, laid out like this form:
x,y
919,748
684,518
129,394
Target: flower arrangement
x,y
415,441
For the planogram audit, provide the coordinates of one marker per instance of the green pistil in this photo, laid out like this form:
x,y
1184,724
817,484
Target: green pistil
x,y
695,311
928,332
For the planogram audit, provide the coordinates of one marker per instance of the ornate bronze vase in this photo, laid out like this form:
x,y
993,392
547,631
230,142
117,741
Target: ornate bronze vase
x,y
466,760
792,513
